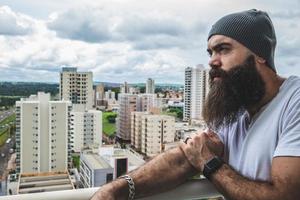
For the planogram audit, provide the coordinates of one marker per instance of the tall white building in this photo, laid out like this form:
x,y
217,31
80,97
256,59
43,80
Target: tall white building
x,y
42,134
100,91
110,95
86,128
76,87
130,103
152,132
196,87
150,86
124,88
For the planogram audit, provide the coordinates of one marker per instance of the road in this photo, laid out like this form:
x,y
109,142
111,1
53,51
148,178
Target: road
x,y
5,114
4,149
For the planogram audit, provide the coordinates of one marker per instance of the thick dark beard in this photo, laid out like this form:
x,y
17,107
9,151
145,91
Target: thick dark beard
x,y
238,89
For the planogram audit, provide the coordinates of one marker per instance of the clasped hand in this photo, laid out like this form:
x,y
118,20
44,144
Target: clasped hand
x,y
201,147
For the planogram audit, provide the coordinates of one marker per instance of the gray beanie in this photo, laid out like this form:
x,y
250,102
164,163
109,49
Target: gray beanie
x,y
253,29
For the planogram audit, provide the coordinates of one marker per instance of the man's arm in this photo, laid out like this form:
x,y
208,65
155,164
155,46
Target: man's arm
x,y
285,182
163,172
285,174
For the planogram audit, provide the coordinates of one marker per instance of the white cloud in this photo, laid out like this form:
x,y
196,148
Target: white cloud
x,y
127,40
13,23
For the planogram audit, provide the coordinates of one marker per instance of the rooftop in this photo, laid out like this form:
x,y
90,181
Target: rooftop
x,y
44,182
95,161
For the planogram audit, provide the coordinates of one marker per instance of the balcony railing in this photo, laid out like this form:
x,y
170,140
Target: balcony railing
x,y
193,189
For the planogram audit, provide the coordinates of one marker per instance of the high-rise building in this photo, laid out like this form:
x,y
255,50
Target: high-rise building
x,y
187,93
110,95
136,130
130,103
76,87
124,88
156,131
100,91
150,86
42,134
86,128
196,87
134,90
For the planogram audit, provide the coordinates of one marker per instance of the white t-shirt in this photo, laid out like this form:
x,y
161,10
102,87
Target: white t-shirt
x,y
274,131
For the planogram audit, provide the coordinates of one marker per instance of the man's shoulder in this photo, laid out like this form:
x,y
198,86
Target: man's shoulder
x,y
291,88
291,82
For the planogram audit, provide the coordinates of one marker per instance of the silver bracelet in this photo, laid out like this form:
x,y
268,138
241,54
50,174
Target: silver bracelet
x,y
130,186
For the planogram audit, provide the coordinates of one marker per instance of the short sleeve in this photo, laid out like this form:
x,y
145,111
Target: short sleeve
x,y
289,138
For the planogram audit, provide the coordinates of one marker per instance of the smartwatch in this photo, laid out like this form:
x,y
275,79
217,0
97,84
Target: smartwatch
x,y
212,166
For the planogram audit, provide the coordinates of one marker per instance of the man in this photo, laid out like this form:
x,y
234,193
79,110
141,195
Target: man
x,y
252,149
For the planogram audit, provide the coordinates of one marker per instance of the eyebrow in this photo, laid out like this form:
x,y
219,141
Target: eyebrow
x,y
218,46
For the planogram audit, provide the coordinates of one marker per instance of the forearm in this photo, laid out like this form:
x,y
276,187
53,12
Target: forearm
x,y
236,187
163,172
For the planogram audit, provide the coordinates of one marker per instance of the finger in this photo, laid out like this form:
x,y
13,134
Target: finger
x,y
186,139
212,134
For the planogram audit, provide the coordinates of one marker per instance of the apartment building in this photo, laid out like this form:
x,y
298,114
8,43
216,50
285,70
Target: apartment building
x,y
150,86
196,87
86,128
130,103
94,170
42,134
150,132
124,88
98,168
100,91
76,87
136,130
110,95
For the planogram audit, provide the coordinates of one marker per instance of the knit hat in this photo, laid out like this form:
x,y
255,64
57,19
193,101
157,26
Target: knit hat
x,y
253,29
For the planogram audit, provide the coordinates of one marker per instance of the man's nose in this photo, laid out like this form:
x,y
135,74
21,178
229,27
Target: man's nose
x,y
215,61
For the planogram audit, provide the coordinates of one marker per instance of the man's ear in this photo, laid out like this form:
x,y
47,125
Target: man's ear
x,y
260,60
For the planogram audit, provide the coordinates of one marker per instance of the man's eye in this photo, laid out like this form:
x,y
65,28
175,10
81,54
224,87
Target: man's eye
x,y
223,49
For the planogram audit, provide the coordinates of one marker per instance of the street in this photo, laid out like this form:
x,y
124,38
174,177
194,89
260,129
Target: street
x,y
5,150
6,113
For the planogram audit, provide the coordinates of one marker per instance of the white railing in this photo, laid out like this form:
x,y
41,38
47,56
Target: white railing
x,y
193,189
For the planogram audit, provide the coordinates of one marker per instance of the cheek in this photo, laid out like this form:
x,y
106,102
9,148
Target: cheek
x,y
229,62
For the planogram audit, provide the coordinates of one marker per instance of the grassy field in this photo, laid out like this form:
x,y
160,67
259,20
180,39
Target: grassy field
x,y
108,128
7,120
4,133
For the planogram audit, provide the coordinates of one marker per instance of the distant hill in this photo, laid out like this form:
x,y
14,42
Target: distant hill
x,y
109,84
25,89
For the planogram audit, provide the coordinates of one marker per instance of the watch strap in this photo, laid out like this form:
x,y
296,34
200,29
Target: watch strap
x,y
212,166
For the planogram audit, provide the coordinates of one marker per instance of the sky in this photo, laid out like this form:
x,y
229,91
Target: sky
x,y
127,40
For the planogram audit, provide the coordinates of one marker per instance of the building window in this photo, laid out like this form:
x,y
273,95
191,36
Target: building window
x,y
109,177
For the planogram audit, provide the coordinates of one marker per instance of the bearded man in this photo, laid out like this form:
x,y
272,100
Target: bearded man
x,y
252,149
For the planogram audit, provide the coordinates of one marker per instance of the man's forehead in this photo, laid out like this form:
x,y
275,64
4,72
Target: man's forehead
x,y
219,39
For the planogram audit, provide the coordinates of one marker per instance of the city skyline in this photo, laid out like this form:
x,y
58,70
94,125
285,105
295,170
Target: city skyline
x,y
125,40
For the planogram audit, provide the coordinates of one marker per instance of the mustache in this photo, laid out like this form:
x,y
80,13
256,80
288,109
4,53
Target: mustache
x,y
217,72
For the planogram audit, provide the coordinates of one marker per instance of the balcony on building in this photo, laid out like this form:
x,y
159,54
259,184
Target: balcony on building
x,y
192,189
